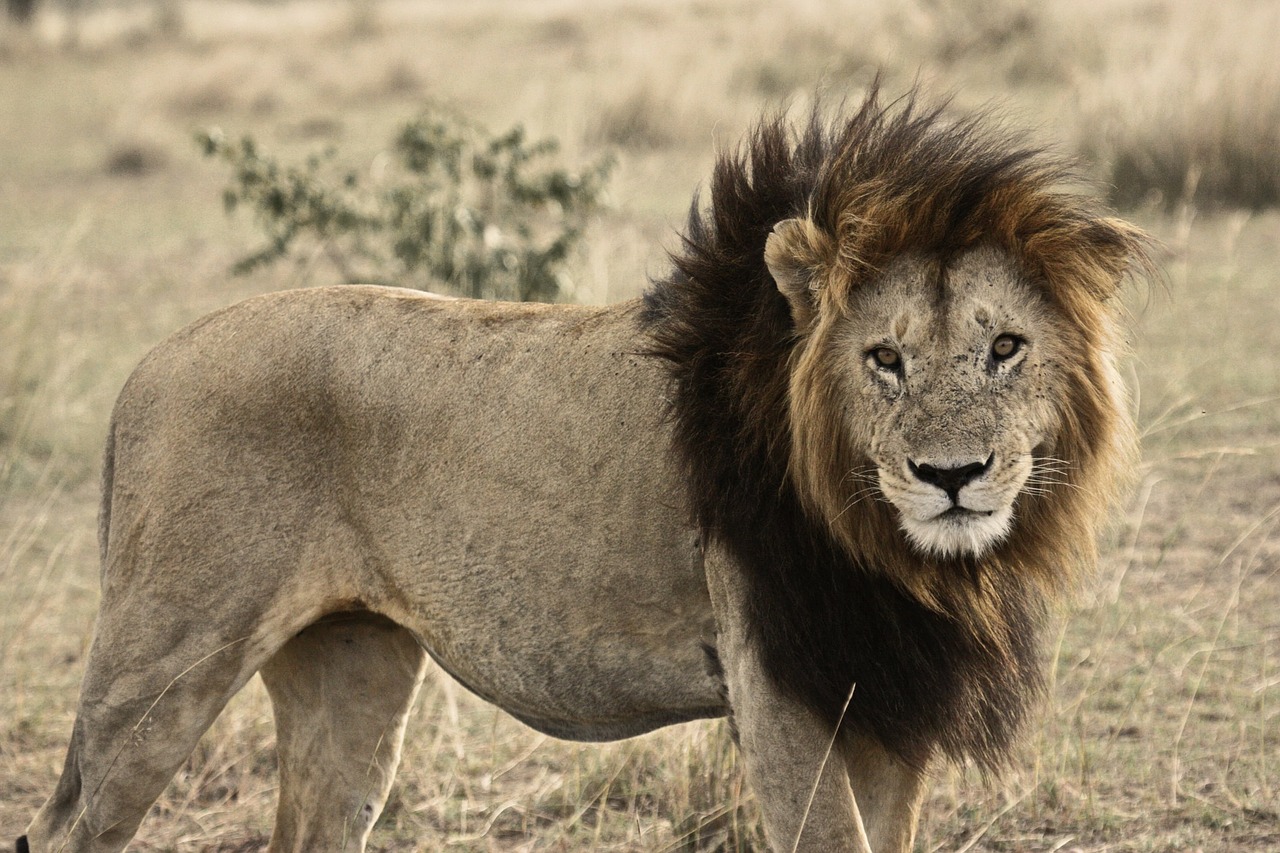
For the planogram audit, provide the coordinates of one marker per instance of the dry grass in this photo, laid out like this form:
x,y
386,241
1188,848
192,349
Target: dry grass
x,y
1201,124
1161,731
643,119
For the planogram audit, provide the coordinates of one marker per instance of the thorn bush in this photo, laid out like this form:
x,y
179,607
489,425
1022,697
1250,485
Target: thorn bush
x,y
489,217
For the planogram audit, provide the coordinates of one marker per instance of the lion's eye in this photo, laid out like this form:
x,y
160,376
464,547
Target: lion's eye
x,y
1005,347
886,358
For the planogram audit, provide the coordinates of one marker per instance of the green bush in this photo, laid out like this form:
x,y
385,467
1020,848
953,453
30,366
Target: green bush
x,y
489,217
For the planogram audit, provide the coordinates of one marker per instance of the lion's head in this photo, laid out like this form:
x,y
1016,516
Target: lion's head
x,y
952,393
945,376
892,341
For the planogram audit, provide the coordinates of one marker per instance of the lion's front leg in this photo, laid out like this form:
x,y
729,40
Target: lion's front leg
x,y
799,779
785,748
888,792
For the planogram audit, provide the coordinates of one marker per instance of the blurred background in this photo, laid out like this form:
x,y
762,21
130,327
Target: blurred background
x,y
117,227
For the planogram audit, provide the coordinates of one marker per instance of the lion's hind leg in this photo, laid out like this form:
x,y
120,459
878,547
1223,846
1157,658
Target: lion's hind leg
x,y
341,690
154,681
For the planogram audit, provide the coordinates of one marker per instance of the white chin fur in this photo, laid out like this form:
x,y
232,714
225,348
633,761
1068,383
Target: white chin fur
x,y
968,535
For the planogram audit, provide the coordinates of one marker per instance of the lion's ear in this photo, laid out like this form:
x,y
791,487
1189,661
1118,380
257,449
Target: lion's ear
x,y
793,253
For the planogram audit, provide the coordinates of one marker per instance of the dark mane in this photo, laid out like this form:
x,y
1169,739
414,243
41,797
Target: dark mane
x,y
828,615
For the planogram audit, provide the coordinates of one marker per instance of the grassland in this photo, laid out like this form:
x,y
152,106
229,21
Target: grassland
x,y
1162,732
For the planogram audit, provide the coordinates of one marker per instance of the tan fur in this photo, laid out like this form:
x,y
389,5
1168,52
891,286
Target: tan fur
x,y
326,486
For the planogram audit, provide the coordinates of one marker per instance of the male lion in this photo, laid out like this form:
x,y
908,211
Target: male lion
x,y
825,478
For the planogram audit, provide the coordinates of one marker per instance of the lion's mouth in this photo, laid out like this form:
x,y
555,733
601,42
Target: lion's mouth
x,y
957,530
961,514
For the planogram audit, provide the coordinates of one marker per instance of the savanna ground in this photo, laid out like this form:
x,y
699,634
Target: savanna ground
x,y
1162,730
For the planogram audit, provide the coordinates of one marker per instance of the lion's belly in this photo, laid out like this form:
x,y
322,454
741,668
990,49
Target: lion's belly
x,y
589,654
586,619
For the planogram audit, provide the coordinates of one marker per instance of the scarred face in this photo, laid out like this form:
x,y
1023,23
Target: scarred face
x,y
952,370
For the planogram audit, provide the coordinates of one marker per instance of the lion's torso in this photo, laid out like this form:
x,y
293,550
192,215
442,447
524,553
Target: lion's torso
x,y
495,477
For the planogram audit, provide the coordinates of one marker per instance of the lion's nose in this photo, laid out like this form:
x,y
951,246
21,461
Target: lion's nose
x,y
951,479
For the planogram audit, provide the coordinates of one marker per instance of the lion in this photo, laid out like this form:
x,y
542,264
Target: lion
x,y
827,478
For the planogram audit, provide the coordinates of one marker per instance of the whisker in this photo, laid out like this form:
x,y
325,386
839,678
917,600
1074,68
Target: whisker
x,y
862,493
867,474
1049,485
857,498
1048,474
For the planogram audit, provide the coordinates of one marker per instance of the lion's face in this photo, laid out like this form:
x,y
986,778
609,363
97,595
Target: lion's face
x,y
941,387
950,377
